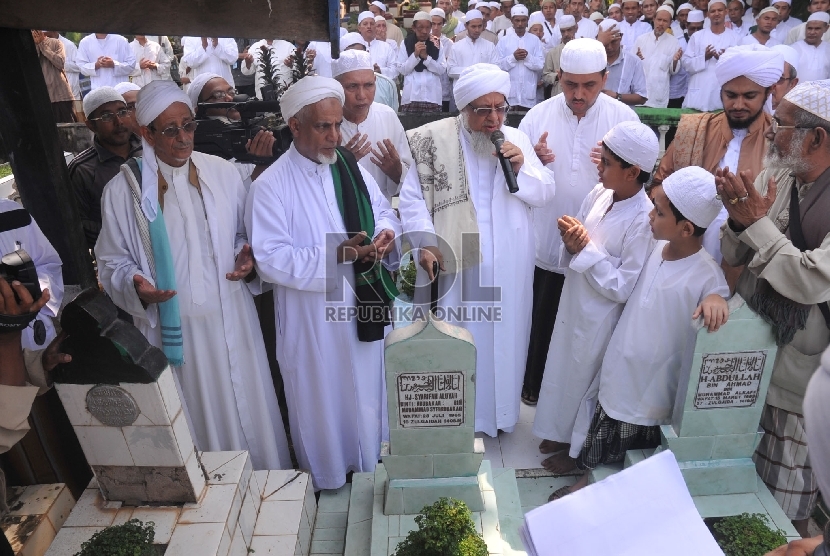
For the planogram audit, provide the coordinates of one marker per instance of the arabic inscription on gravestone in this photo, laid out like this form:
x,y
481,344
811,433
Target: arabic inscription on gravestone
x,y
729,379
111,405
431,399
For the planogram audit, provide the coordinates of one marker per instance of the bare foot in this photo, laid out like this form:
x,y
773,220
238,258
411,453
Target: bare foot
x,y
552,446
560,463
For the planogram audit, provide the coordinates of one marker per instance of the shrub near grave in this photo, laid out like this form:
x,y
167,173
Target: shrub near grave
x,y
747,535
444,529
133,538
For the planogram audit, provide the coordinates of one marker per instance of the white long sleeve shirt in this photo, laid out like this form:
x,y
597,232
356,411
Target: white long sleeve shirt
x,y
385,57
280,50
552,35
586,29
631,32
150,51
465,53
212,59
813,61
70,67
116,47
658,56
422,86
524,74
704,92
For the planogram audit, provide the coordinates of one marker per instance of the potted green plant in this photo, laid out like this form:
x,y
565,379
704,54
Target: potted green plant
x,y
745,534
444,529
133,538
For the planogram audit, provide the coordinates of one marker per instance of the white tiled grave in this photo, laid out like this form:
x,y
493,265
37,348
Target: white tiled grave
x,y
36,513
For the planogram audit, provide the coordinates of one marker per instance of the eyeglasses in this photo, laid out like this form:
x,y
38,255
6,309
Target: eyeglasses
x,y
776,126
173,130
486,111
782,79
220,95
110,116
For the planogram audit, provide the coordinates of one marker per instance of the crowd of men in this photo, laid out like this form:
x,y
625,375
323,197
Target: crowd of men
x,y
605,254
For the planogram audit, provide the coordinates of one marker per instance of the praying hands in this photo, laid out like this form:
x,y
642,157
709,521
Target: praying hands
x,y
574,235
386,158
243,266
743,202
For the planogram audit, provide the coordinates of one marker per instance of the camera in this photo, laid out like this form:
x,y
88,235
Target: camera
x,y
227,138
18,266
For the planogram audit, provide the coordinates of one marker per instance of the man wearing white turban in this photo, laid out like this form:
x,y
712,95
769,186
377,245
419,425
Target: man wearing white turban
x,y
486,288
173,253
311,241
701,56
565,129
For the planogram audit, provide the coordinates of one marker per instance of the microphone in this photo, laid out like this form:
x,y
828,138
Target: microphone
x,y
497,137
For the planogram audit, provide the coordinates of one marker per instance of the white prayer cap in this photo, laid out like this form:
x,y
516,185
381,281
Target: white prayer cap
x,y
824,17
351,60
536,18
365,15
606,24
614,6
567,21
768,10
596,16
713,2
380,19
695,16
479,80
543,2
668,3
692,191
195,89
756,62
309,90
790,54
494,5
666,9
437,12
787,2
473,14
379,5
422,16
635,143
99,96
126,86
812,96
687,7
472,3
519,9
583,56
347,40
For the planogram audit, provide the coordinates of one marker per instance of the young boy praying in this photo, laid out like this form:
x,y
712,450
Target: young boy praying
x,y
605,247
654,340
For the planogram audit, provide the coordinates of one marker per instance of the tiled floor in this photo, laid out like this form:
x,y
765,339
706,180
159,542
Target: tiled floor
x,y
518,449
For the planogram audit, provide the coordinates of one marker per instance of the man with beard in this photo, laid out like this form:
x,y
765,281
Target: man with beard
x,y
778,228
788,80
494,271
734,138
110,120
661,54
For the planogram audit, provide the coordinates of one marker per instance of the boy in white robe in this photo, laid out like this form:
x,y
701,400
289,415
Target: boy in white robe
x,y
603,257
654,340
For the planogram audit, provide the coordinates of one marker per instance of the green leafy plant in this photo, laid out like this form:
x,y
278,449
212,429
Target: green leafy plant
x,y
444,529
133,538
408,274
747,535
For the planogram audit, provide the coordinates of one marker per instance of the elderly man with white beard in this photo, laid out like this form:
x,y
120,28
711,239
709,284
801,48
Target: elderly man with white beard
x,y
443,201
325,236
173,253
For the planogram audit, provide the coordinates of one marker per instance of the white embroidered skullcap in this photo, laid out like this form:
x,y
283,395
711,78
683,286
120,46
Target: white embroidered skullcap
x,y
614,6
351,39
824,17
422,16
666,9
439,12
756,62
790,54
198,83
473,14
494,5
536,18
153,99
518,10
379,5
768,10
686,6
479,80
695,16
812,96
692,191
543,2
126,86
635,143
596,16
713,2
309,90
351,60
787,2
606,24
99,96
668,3
380,19
583,56
365,15
567,21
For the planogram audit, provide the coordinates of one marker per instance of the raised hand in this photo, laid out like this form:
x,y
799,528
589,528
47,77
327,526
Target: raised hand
x,y
386,158
743,202
359,145
544,153
243,265
148,293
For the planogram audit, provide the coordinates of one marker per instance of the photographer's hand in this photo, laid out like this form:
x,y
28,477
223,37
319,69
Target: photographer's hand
x,y
12,367
261,145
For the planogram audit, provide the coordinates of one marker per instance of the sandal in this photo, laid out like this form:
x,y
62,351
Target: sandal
x,y
559,493
529,399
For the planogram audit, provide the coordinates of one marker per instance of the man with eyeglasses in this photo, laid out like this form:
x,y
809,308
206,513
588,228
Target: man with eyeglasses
x,y
564,128
779,232
113,143
464,218
788,80
130,93
173,253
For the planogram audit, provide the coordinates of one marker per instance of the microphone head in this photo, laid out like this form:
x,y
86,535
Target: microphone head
x,y
497,138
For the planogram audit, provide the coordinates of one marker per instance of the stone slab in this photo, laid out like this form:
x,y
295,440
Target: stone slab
x,y
405,442
733,476
143,485
417,493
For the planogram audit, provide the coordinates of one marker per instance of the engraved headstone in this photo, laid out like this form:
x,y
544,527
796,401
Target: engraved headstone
x,y
111,405
430,399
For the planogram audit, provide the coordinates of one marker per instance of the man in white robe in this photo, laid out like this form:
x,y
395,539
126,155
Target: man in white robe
x,y
661,58
383,56
701,57
422,62
797,32
631,27
371,131
814,53
334,383
209,55
501,280
785,21
106,59
223,375
564,130
151,63
472,49
522,56
550,25
280,52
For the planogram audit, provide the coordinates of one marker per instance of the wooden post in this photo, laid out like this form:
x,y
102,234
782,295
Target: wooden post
x,y
30,138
